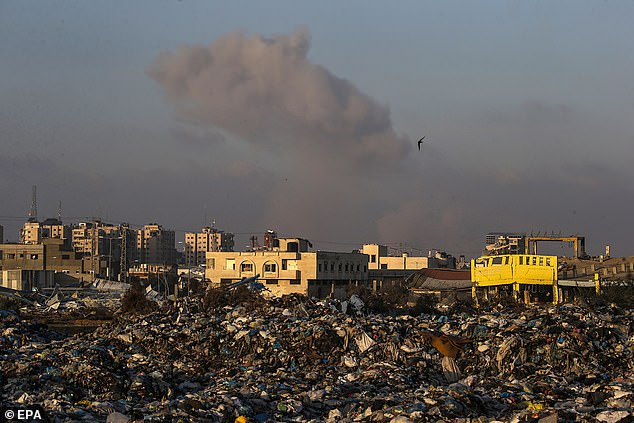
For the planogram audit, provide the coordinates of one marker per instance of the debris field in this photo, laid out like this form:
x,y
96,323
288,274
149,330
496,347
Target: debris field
x,y
295,359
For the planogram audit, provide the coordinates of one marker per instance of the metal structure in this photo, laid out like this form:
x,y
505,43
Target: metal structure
x,y
123,266
33,211
578,242
514,270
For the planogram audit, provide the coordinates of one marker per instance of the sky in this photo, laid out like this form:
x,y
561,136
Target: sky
x,y
304,117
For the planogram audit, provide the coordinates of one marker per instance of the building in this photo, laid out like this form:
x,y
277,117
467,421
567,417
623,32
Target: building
x,y
50,255
290,268
156,245
26,280
380,259
1,234
505,243
209,239
31,232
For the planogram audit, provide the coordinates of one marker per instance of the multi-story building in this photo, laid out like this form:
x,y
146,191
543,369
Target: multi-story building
x,y
114,244
197,244
156,245
31,232
380,259
289,267
505,243
50,255
386,269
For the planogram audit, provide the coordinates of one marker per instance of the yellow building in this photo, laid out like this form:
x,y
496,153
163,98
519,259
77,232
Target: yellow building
x,y
291,268
515,270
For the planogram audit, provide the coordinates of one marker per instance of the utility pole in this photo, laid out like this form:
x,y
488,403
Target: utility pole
x,y
93,248
123,267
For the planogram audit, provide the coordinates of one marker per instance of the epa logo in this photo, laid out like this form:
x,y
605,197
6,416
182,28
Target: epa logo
x,y
22,414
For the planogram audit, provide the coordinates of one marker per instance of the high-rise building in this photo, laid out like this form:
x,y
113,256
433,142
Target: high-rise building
x,y
197,244
156,245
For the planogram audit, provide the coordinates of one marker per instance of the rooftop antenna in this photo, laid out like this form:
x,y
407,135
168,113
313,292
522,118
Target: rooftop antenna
x,y
33,211
59,211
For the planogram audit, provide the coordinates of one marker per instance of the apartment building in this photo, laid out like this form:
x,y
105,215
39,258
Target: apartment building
x,y
156,245
209,239
50,255
290,268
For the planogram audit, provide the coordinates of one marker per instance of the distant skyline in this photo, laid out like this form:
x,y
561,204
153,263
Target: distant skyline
x,y
303,117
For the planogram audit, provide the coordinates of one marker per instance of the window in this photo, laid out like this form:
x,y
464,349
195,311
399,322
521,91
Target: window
x,y
547,261
496,260
270,267
373,258
521,259
506,260
534,261
284,264
10,256
384,267
332,267
340,267
358,267
541,261
320,267
65,256
230,264
246,267
347,268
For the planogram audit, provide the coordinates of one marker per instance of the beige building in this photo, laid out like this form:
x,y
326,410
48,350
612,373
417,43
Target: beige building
x,y
198,244
50,255
26,280
380,259
290,268
31,232
156,245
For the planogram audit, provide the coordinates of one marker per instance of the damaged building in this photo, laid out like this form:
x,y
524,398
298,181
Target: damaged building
x,y
289,267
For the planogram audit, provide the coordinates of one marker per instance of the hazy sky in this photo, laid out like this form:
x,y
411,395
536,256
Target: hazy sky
x,y
303,117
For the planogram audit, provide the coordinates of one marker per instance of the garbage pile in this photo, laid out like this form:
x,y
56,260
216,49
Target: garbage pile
x,y
292,359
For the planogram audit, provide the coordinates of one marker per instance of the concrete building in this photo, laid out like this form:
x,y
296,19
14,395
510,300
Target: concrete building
x,y
380,259
50,255
31,232
27,280
386,269
290,268
209,239
156,245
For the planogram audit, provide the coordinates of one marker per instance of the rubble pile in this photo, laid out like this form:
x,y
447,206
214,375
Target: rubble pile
x,y
292,359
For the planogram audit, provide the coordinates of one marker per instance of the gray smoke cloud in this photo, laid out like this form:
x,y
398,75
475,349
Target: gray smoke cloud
x,y
268,92
316,157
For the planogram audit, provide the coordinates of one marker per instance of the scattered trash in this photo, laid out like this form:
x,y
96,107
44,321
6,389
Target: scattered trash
x,y
232,358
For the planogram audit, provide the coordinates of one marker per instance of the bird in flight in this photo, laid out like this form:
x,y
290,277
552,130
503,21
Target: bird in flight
x,y
420,141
